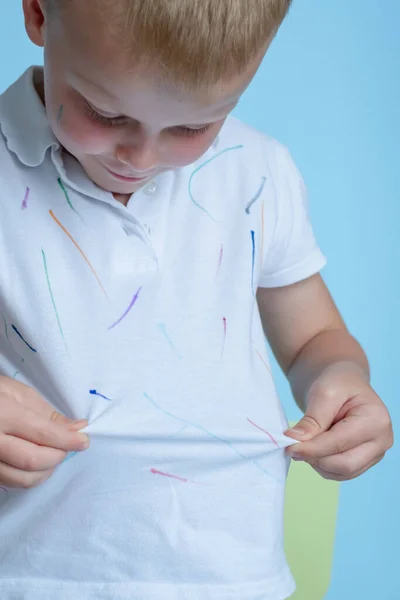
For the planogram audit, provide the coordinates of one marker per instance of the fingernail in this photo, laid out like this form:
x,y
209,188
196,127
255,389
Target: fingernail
x,y
297,431
297,458
85,440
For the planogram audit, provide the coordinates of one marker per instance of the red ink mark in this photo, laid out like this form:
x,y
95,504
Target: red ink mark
x,y
263,360
221,256
268,434
25,202
155,472
79,250
225,332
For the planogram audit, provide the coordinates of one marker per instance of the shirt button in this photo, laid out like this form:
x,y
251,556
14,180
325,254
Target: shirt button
x,y
150,188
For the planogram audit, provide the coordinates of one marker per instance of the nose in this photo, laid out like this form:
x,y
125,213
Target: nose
x,y
140,156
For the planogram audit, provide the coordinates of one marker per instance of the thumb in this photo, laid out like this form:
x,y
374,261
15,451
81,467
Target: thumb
x,y
319,417
71,424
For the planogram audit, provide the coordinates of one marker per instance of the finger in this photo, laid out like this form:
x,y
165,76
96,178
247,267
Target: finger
x,y
345,435
341,478
24,455
351,463
43,432
17,478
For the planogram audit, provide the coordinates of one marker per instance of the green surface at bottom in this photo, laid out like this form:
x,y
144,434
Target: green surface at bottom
x,y
310,527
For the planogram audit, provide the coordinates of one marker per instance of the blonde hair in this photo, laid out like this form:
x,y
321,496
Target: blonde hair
x,y
193,42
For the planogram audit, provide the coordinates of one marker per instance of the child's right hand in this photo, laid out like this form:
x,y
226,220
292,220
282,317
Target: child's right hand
x,y
34,438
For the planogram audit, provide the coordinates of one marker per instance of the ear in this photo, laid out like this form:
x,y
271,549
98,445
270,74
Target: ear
x,y
34,21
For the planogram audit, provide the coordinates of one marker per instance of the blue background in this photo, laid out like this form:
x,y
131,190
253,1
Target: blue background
x,y
330,90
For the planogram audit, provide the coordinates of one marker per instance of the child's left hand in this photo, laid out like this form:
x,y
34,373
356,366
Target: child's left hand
x,y
346,428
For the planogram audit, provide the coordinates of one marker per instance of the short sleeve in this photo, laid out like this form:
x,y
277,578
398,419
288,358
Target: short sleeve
x,y
293,253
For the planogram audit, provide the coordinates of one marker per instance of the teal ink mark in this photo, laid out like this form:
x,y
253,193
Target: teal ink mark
x,y
202,167
128,310
52,297
60,113
178,432
15,374
69,456
64,189
253,241
95,393
209,433
265,431
256,197
23,339
26,198
5,327
162,327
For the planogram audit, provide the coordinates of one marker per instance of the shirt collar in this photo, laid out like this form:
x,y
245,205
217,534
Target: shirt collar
x,y
24,122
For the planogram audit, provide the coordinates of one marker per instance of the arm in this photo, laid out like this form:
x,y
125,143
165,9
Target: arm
x,y
307,333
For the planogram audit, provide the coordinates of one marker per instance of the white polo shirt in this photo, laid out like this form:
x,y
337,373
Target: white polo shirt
x,y
143,319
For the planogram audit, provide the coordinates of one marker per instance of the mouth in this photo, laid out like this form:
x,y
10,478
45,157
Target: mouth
x,y
125,178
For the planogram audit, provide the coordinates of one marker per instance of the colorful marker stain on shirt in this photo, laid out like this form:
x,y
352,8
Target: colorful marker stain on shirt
x,y
65,192
128,310
253,242
52,297
79,250
212,435
163,329
221,256
265,431
156,472
23,339
256,197
96,393
25,200
202,167
224,323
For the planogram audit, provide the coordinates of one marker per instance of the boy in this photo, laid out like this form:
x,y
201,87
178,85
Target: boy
x,y
145,240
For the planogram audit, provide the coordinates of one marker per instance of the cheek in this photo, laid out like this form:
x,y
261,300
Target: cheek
x,y
78,134
186,151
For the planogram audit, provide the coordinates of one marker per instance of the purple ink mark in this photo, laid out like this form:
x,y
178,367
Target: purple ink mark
x,y
26,198
95,393
163,329
265,431
256,197
52,297
253,241
209,433
199,169
221,256
155,472
23,339
225,332
60,113
132,304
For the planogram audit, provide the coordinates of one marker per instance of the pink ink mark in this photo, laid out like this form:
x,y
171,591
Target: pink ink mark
x,y
155,472
225,332
264,430
128,310
26,198
221,256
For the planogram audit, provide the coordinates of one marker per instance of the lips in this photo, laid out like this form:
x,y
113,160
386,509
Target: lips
x,y
126,178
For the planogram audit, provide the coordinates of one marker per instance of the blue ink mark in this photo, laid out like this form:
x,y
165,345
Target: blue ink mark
x,y
23,339
201,167
162,327
132,304
256,197
69,456
209,433
95,393
253,240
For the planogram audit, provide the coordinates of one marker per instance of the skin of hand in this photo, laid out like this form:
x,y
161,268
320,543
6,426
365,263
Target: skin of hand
x,y
34,438
346,428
